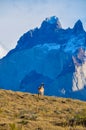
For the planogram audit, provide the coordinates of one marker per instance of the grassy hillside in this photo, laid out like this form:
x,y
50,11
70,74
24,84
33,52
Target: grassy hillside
x,y
23,111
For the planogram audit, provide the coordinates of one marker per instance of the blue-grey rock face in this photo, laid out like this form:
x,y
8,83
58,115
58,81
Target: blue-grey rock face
x,y
48,54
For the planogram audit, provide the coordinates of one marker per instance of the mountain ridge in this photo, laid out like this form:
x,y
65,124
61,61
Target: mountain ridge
x,y
31,33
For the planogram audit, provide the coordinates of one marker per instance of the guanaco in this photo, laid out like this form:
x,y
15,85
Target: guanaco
x,y
41,89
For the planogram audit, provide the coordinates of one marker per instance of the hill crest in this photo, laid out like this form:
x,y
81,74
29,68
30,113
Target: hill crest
x,y
25,111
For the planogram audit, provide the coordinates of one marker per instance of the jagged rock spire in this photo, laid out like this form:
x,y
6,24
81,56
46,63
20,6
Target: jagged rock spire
x,y
54,20
78,27
51,22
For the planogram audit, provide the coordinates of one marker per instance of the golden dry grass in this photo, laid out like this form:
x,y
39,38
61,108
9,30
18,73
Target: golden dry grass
x,y
24,111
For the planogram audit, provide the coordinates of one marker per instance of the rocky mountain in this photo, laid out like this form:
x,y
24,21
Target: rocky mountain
x,y
48,54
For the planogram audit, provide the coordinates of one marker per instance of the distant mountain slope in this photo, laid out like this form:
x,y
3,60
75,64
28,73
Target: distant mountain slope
x,y
48,54
3,52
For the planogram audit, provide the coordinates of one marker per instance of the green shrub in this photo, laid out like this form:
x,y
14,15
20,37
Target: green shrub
x,y
14,127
